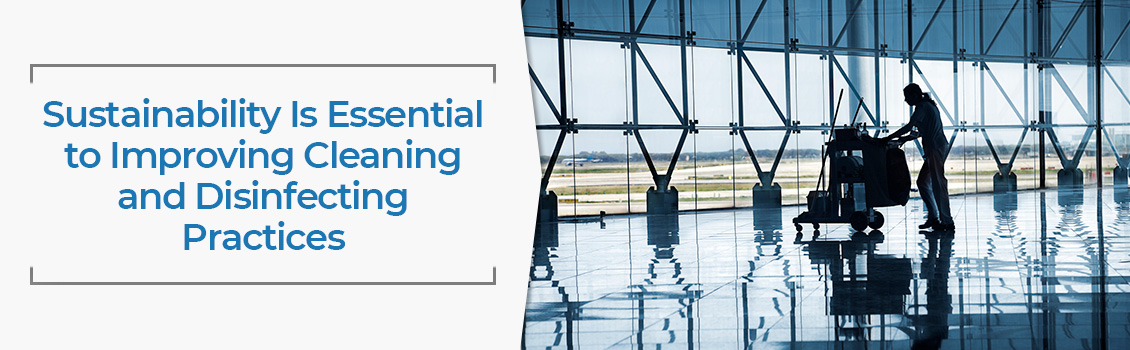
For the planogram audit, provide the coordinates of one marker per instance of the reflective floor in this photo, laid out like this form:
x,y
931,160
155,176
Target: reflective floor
x,y
1038,269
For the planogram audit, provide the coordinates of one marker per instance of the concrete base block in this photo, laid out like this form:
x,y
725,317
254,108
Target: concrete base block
x,y
1070,178
767,197
662,202
547,208
1004,184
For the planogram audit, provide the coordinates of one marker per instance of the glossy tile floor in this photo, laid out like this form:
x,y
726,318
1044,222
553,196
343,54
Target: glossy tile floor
x,y
1035,270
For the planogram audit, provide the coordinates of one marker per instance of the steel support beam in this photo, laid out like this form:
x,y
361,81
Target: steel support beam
x,y
1037,29
1096,29
766,188
545,97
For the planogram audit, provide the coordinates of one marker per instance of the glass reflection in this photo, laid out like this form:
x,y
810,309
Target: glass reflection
x,y
1005,203
1026,271
769,227
865,286
545,245
664,289
1121,195
933,327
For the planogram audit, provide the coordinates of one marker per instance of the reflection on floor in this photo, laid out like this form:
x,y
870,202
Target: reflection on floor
x,y
1032,270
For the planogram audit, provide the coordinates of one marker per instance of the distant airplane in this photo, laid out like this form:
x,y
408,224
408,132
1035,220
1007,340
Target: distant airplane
x,y
581,162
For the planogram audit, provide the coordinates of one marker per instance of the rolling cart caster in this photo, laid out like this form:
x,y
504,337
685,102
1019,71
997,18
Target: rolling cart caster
x,y
876,222
858,220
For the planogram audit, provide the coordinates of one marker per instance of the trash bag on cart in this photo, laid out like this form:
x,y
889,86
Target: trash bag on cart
x,y
887,175
898,176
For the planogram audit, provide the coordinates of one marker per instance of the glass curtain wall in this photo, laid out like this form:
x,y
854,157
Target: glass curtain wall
x,y
718,99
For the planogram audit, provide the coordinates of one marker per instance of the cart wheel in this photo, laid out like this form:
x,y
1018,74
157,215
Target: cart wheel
x,y
816,226
878,221
858,220
798,227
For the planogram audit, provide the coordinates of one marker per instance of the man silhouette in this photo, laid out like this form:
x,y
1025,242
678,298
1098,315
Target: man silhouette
x,y
932,184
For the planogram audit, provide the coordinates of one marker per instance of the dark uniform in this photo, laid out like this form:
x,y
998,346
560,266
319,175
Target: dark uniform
x,y
932,184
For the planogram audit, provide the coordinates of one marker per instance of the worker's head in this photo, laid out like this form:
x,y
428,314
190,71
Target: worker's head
x,y
913,94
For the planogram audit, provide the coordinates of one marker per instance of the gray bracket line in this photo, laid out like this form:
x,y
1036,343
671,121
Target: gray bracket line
x,y
493,281
493,67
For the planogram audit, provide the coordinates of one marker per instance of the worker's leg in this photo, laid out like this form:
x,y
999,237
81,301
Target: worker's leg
x,y
940,188
925,188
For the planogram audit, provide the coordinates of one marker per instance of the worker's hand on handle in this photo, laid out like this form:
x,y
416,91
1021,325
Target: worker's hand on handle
x,y
901,139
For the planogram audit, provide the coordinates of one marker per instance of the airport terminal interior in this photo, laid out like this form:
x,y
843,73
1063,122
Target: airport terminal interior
x,y
716,174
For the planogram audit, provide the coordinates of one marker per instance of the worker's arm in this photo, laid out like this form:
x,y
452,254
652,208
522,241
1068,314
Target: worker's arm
x,y
915,120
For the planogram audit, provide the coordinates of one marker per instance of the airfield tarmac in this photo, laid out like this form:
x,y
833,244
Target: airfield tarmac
x,y
621,187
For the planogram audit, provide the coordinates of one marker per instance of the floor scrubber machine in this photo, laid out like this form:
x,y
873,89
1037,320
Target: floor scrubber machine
x,y
865,173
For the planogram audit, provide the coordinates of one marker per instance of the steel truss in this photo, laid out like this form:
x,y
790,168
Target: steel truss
x,y
1042,45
